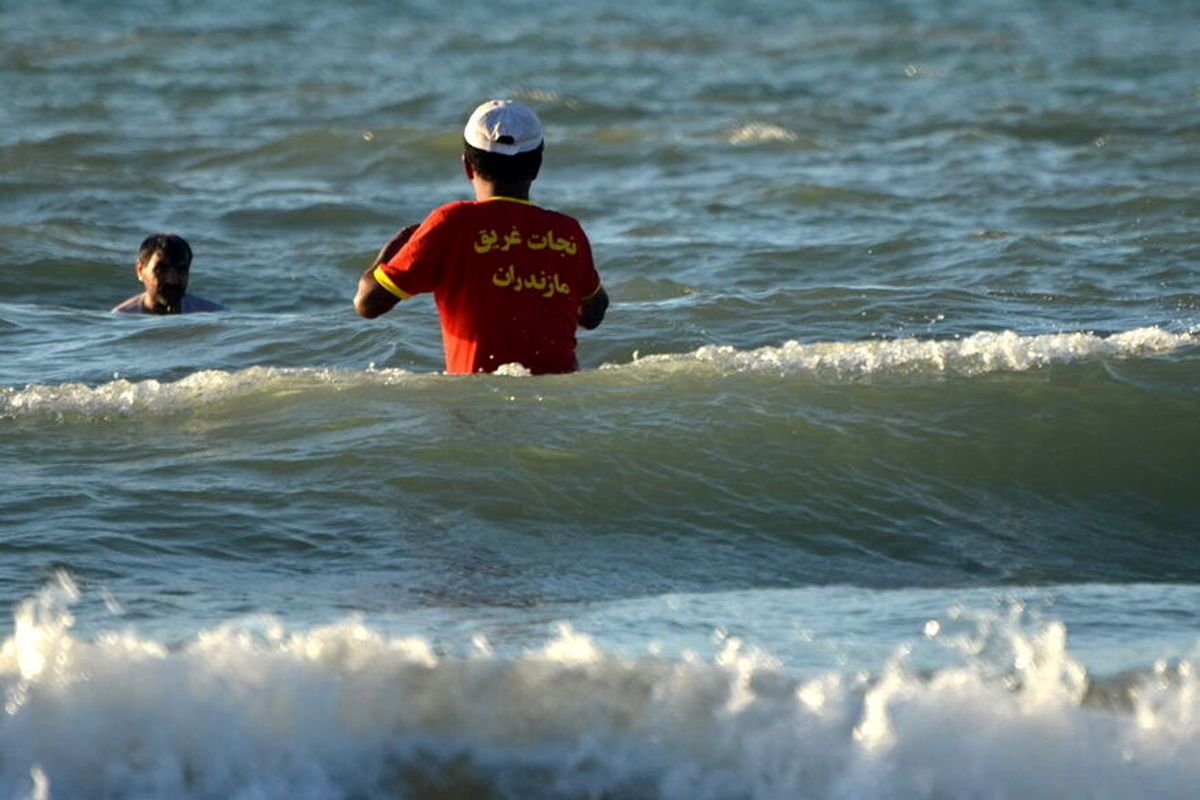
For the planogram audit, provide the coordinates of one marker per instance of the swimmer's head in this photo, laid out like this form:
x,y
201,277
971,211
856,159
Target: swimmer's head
x,y
163,264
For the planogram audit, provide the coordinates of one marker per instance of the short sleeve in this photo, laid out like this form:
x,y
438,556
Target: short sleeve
x,y
418,266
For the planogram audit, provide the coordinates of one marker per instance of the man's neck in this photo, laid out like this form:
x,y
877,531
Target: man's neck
x,y
485,190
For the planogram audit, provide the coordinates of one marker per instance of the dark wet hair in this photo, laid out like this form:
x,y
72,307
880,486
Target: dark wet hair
x,y
503,169
168,247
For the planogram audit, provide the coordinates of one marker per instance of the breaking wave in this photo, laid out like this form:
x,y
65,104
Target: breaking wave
x,y
978,354
252,710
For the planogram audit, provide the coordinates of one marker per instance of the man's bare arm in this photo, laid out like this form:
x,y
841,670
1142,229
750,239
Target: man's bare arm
x,y
591,310
371,300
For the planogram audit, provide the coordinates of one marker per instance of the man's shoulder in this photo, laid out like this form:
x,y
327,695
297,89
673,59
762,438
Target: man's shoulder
x,y
468,214
191,303
449,212
562,218
131,306
194,302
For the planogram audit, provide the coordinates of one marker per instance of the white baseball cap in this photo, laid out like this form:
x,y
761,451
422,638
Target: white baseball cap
x,y
505,127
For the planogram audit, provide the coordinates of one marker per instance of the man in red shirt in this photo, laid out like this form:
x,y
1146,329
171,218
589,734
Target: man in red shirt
x,y
511,280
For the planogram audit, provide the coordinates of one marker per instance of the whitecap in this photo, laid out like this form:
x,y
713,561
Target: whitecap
x,y
251,709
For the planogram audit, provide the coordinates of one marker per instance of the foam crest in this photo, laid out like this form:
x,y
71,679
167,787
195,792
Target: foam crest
x,y
121,397
978,354
250,709
760,132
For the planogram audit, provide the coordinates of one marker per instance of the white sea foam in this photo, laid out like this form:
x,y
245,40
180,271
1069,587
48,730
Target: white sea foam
x,y
758,132
122,396
978,354
251,710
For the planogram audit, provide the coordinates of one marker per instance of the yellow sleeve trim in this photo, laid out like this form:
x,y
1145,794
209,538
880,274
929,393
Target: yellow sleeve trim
x,y
599,286
383,280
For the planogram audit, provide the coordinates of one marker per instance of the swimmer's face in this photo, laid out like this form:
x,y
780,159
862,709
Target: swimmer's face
x,y
166,284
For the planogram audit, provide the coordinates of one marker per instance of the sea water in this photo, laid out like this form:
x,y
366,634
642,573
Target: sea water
x,y
879,480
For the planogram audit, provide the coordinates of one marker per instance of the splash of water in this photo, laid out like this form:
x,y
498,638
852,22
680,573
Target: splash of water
x,y
251,709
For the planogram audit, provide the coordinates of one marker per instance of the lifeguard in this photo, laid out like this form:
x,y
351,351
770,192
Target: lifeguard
x,y
512,281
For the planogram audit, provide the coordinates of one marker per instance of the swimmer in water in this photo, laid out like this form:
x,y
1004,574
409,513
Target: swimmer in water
x,y
163,263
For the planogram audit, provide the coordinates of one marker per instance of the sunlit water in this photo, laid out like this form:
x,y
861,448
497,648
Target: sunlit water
x,y
878,481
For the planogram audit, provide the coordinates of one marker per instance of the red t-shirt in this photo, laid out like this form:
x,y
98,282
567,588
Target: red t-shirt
x,y
508,278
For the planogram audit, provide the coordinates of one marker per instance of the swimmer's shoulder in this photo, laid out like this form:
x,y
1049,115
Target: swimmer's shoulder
x,y
194,302
131,306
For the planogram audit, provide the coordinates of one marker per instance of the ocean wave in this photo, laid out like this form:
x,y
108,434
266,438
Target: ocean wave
x,y
979,354
251,709
761,132
124,397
